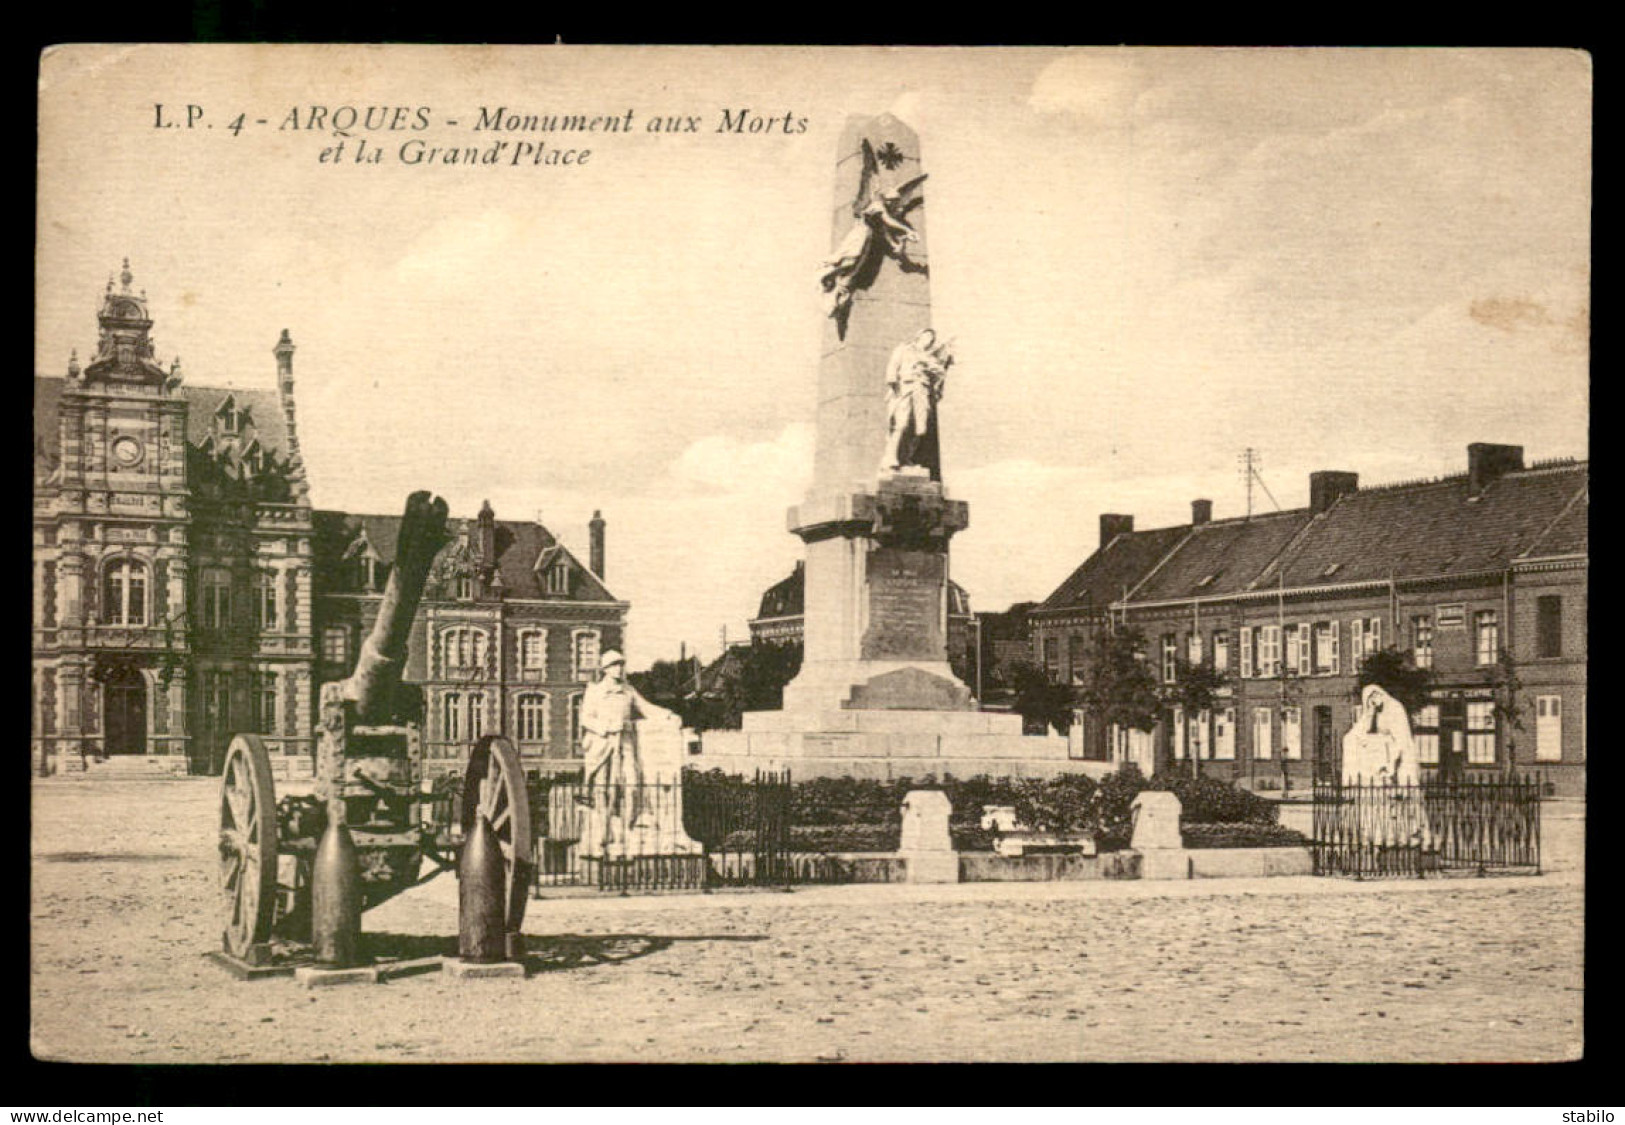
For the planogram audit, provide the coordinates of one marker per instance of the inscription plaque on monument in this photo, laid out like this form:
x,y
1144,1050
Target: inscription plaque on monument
x,y
905,604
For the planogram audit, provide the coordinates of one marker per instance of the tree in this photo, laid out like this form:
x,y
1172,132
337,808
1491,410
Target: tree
x,y
1194,690
1119,684
670,684
1040,701
1508,702
1392,670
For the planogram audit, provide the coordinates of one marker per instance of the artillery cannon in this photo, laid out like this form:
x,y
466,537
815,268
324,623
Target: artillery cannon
x,y
369,778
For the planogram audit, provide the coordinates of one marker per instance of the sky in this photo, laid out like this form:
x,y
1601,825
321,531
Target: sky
x,y
1149,260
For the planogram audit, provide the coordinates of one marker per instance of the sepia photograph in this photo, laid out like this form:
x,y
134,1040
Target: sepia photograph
x,y
567,554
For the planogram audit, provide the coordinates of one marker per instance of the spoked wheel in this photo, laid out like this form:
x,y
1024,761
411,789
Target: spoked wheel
x,y
248,845
495,785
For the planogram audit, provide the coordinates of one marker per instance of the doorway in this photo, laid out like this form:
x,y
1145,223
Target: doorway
x,y
124,707
1325,745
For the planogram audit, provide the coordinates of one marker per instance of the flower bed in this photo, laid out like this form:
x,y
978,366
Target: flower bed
x,y
1240,836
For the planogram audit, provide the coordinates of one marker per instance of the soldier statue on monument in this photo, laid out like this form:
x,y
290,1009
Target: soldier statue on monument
x,y
914,378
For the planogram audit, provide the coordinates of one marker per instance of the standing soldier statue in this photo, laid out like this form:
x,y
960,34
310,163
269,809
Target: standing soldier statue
x,y
610,709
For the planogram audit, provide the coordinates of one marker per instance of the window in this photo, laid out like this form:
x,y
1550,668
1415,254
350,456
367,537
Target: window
x,y
1326,656
1481,733
1200,747
1305,663
124,593
262,703
1170,653
265,600
476,716
1193,648
1487,630
1262,732
1292,733
464,649
216,598
1074,657
1422,640
558,578
1548,625
1290,637
1221,651
1365,637
533,718
1548,728
533,651
575,725
1247,653
1052,658
452,725
336,645
367,572
1269,650
1224,734
586,654
1179,733
465,588
1425,732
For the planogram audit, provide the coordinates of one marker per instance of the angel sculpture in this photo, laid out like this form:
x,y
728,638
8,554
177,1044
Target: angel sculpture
x,y
914,377
882,226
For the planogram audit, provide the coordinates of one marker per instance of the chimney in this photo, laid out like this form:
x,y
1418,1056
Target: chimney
x,y
596,529
1486,462
486,545
1328,486
284,358
1111,526
1201,512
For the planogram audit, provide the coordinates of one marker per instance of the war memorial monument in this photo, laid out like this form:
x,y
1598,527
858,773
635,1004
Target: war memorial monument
x,y
875,696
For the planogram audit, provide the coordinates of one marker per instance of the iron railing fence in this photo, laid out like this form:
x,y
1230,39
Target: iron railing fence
x,y
1439,826
663,835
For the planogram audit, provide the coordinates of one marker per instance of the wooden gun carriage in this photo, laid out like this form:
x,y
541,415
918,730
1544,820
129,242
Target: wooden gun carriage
x,y
369,774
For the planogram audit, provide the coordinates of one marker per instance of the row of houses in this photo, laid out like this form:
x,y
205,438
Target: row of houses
x,y
1480,578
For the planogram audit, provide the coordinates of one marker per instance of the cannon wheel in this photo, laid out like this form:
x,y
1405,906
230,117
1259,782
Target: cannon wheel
x,y
248,845
495,785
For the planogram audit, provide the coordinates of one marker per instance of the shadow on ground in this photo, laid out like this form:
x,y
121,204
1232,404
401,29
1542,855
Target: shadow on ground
x,y
549,953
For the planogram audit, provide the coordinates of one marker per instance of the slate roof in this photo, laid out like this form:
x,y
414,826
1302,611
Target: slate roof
x,y
519,546
1116,566
1413,530
264,424
1568,534
1222,557
1437,528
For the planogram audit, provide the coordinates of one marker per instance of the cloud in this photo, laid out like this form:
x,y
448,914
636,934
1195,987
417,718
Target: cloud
x,y
721,463
1099,85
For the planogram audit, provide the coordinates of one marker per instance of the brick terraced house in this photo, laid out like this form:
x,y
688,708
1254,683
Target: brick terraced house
x,y
1451,571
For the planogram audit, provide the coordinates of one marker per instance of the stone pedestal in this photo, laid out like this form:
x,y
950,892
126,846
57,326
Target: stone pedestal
x,y
926,845
1156,836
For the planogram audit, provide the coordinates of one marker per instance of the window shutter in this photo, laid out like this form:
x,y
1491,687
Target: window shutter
x,y
1246,653
1332,631
1376,634
1305,664
1356,640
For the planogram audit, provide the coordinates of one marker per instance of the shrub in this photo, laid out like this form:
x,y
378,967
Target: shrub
x,y
1207,800
1240,836
1114,800
1065,803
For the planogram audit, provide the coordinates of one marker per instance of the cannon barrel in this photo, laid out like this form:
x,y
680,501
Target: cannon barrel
x,y
372,687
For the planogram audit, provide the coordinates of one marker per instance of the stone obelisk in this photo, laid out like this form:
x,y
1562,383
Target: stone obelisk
x,y
876,521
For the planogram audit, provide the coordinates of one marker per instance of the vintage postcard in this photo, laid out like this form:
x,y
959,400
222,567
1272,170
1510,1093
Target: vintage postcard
x,y
1106,528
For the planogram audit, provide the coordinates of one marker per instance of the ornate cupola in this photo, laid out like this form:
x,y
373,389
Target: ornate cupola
x,y
124,350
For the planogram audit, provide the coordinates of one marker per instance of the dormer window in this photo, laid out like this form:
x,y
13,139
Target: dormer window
x,y
1206,582
230,419
558,578
465,588
1331,570
368,572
